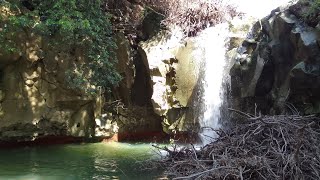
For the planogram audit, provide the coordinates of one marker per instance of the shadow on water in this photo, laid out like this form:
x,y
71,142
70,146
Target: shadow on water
x,y
73,162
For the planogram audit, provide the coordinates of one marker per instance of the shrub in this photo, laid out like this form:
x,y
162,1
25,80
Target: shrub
x,y
78,23
193,16
314,7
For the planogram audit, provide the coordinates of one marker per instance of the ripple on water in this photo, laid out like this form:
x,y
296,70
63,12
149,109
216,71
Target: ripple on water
x,y
75,162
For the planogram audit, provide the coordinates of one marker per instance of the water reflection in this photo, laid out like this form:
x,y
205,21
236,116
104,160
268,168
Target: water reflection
x,y
75,162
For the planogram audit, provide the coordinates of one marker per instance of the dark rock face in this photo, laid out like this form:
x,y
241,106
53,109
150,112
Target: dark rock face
x,y
133,112
307,11
278,67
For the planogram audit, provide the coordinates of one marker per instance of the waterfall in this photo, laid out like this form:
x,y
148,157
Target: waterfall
x,y
211,50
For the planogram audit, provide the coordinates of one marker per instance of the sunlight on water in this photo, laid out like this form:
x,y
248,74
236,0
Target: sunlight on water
x,y
73,162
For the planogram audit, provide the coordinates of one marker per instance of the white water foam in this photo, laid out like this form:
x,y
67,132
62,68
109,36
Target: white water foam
x,y
212,50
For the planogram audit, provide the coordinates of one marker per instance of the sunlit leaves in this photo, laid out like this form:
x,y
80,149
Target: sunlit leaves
x,y
73,23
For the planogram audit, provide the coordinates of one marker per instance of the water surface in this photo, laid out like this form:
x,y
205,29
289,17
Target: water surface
x,y
77,162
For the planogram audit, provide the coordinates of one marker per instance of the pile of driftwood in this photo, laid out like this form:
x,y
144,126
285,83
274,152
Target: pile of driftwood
x,y
264,147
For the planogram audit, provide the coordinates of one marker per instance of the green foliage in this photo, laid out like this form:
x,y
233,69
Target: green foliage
x,y
314,8
10,26
71,23
152,22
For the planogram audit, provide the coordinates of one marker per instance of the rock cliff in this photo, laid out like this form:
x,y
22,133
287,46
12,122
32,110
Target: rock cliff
x,y
276,69
36,101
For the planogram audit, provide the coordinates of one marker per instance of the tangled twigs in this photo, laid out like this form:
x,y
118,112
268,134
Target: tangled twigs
x,y
191,16
264,147
194,16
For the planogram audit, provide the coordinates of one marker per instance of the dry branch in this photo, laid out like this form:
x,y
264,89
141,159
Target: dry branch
x,y
264,147
191,16
194,16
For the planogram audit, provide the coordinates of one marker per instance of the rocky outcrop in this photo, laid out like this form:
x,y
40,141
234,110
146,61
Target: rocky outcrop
x,y
35,100
160,83
277,66
174,76
130,108
175,72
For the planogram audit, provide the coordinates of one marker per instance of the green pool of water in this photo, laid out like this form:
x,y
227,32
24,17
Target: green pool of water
x,y
77,162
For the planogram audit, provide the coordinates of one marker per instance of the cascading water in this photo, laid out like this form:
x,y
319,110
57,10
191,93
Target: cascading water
x,y
211,49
